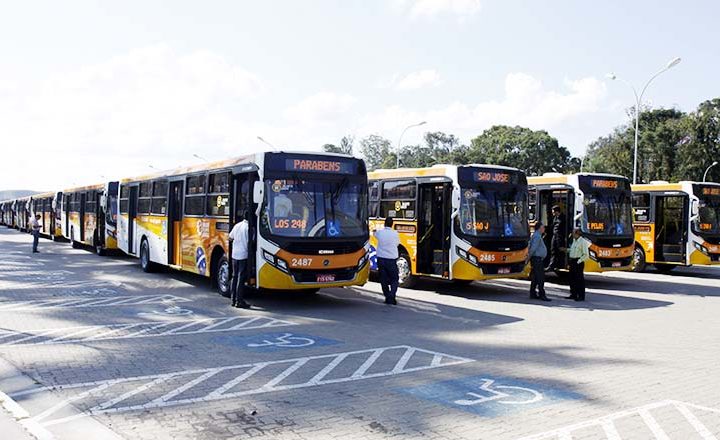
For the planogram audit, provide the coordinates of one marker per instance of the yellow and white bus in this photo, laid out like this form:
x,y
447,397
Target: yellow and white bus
x,y
307,214
676,224
46,204
21,208
89,216
460,223
598,204
7,213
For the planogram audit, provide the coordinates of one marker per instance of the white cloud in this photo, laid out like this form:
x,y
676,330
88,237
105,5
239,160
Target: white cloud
x,y
320,107
526,102
417,80
431,8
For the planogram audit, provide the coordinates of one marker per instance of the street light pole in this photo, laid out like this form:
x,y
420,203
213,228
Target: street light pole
x,y
267,143
197,156
708,169
638,102
397,154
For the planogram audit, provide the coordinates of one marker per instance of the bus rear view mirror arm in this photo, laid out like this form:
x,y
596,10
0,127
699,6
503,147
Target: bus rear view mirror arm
x,y
258,192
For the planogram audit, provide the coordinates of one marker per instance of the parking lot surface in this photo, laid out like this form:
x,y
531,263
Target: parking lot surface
x,y
92,347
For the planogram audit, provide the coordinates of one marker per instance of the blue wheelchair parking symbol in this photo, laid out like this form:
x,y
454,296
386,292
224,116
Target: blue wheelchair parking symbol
x,y
489,396
271,342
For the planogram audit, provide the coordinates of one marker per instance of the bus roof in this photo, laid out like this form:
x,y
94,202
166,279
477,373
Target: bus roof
x,y
667,186
435,170
85,188
563,178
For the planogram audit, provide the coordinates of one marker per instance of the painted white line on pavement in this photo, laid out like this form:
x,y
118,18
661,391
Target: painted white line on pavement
x,y
101,397
607,423
139,330
70,303
23,418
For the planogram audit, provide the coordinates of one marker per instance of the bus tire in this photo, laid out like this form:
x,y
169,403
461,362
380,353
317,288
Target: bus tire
x,y
145,263
664,268
638,260
405,277
221,276
462,282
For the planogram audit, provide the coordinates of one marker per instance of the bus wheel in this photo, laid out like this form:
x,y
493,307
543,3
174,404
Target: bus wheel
x,y
638,261
405,276
145,263
462,282
222,277
664,268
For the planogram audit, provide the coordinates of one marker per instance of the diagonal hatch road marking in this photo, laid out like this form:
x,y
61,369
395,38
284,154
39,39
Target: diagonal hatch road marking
x,y
210,384
70,335
67,303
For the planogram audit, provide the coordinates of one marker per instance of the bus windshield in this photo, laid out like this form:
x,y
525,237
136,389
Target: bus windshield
x,y
708,219
493,212
608,213
304,208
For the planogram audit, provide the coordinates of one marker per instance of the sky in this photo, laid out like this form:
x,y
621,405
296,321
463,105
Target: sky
x,y
93,91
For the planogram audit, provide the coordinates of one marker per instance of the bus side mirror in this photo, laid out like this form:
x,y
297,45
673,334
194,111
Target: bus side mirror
x,y
258,192
694,208
456,199
103,200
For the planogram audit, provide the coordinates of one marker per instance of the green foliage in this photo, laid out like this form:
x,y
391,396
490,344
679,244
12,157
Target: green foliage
x,y
672,145
535,152
377,152
345,147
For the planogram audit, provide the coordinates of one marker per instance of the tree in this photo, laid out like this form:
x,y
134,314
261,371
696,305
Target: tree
x,y
701,145
377,152
534,152
662,132
439,148
345,146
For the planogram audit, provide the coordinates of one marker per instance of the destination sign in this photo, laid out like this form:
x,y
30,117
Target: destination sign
x,y
711,191
485,176
603,183
319,166
469,175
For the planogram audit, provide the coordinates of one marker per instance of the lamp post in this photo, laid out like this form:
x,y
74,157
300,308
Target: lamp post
x,y
152,167
397,162
267,143
638,102
197,156
708,169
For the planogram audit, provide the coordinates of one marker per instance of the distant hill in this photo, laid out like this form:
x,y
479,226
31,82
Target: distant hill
x,y
15,193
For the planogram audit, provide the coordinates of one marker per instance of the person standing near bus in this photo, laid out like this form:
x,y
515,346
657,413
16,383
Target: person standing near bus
x,y
388,241
35,230
579,254
239,241
537,251
558,240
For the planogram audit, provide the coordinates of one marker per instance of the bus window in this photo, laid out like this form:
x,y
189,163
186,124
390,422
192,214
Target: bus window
x,y
398,199
123,200
493,212
144,200
218,200
159,197
532,204
195,195
641,207
374,199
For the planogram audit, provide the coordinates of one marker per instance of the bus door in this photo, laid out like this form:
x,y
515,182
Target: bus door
x,y
174,225
434,228
564,197
67,198
83,198
132,213
100,212
241,201
671,228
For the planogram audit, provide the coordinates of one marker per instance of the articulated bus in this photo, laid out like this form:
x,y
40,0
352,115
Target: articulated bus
x,y
460,223
89,216
48,206
598,204
7,214
676,224
21,214
307,214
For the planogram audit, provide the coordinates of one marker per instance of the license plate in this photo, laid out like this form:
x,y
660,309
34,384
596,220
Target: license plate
x,y
326,278
616,264
504,270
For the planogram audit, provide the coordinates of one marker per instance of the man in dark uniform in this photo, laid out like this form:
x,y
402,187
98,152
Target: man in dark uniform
x,y
558,241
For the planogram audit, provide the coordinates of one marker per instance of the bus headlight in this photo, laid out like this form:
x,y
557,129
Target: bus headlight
x,y
465,255
701,248
362,261
275,261
593,255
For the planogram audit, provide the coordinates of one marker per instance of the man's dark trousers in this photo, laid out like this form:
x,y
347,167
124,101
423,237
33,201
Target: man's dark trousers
x,y
36,238
239,270
577,279
389,277
537,278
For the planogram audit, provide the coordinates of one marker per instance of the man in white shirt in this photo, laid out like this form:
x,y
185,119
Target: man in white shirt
x,y
239,241
388,241
35,229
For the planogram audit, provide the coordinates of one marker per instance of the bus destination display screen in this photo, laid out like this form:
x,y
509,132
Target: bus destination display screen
x,y
479,175
711,191
602,183
319,166
315,164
